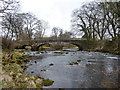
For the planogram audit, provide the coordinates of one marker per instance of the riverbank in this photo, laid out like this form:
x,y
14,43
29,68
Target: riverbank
x,y
104,46
103,51
12,75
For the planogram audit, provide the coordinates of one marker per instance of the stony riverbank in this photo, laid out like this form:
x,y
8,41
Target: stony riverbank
x,y
104,46
116,52
12,75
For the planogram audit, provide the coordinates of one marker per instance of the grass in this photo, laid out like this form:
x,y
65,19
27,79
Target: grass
x,y
39,85
15,58
45,47
12,72
28,47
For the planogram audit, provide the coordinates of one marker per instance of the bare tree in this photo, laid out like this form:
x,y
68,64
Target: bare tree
x,y
112,18
12,25
80,22
66,35
57,31
29,24
8,5
18,25
40,28
97,19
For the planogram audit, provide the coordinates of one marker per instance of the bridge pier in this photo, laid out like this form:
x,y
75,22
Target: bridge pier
x,y
80,49
34,48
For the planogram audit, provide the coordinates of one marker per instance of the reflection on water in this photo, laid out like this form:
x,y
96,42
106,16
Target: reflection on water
x,y
94,69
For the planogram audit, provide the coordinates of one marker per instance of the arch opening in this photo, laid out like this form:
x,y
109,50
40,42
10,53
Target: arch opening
x,y
79,47
44,46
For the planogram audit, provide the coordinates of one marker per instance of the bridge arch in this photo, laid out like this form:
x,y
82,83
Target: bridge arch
x,y
79,47
42,44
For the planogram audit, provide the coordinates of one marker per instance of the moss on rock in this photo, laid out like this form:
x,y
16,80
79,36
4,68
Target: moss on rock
x,y
47,82
73,63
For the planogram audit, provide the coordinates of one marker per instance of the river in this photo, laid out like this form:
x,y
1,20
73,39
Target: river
x,y
93,69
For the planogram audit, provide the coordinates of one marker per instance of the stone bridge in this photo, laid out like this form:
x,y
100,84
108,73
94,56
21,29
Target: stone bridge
x,y
35,44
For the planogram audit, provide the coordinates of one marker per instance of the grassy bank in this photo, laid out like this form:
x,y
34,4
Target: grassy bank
x,y
12,75
105,46
116,52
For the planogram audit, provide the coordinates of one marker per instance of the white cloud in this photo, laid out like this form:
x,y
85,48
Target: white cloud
x,y
56,12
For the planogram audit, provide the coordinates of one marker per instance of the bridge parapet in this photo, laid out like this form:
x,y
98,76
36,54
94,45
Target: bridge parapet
x,y
52,40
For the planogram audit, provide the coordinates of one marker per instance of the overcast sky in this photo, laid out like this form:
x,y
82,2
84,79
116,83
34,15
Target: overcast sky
x,y
55,12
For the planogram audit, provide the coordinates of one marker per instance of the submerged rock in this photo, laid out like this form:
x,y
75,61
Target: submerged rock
x,y
79,60
73,63
43,70
51,64
32,72
67,53
35,61
47,82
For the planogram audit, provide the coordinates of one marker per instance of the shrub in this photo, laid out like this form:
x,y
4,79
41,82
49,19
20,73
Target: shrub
x,y
7,44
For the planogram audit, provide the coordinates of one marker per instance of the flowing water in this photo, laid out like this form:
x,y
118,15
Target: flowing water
x,y
94,69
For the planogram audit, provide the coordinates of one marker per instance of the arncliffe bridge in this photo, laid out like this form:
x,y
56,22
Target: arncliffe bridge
x,y
35,44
